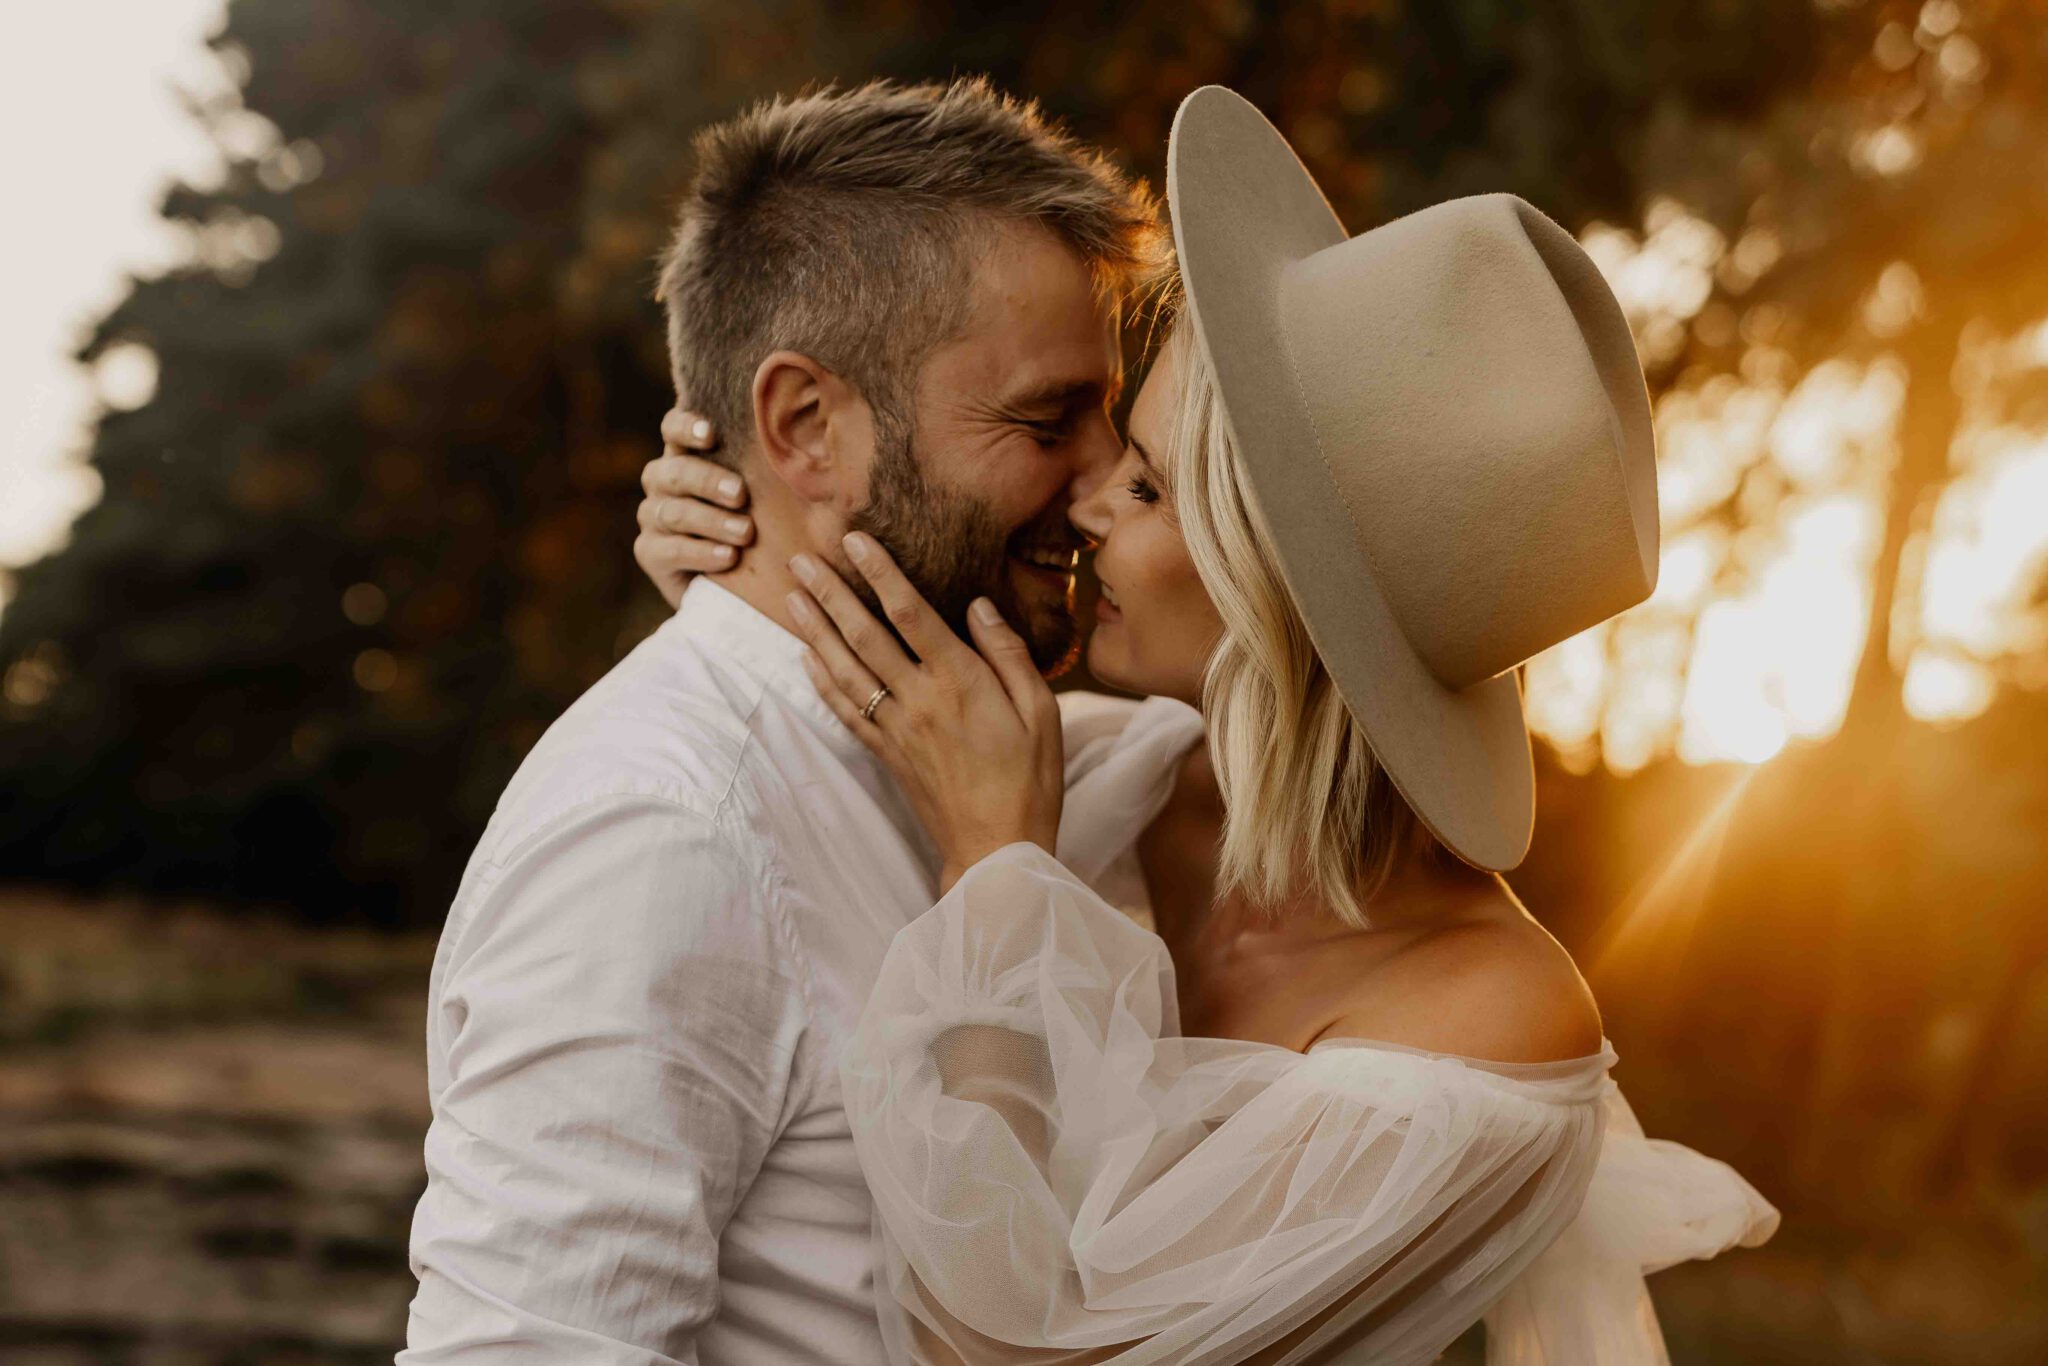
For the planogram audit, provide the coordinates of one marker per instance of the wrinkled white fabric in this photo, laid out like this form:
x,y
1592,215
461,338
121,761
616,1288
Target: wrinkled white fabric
x,y
1122,758
1652,1204
638,1155
1062,1177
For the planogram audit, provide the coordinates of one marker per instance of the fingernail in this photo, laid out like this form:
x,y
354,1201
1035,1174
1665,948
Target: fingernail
x,y
700,430
736,526
985,612
799,606
721,553
804,567
856,545
729,486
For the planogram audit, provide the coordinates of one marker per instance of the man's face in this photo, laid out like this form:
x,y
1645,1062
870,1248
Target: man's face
x,y
1011,424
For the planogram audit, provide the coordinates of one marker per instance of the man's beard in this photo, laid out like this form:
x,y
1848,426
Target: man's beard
x,y
953,549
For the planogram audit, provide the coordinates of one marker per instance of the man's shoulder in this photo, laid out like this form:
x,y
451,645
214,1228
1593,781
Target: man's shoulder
x,y
668,725
619,831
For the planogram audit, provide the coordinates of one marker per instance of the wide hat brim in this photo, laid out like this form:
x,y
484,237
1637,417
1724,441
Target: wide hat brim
x,y
1244,209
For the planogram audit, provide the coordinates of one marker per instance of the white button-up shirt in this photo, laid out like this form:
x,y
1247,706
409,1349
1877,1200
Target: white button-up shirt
x,y
638,1150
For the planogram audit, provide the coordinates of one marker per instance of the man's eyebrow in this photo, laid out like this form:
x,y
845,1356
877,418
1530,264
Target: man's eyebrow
x,y
1059,395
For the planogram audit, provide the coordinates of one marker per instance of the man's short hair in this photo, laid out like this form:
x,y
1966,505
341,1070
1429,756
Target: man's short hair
x,y
844,225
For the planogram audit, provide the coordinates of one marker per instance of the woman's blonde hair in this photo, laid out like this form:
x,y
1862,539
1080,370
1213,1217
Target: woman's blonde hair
x,y
1307,807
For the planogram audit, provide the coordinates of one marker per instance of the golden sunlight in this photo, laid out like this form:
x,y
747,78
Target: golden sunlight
x,y
1771,487
1988,544
1649,933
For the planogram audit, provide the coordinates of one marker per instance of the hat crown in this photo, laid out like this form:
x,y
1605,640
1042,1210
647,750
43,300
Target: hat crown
x,y
1445,426
1496,466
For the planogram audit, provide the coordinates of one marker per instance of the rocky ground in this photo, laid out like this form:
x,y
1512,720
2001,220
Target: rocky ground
x,y
210,1149
209,1139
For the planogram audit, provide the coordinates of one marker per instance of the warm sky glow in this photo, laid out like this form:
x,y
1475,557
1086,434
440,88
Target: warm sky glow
x,y
88,88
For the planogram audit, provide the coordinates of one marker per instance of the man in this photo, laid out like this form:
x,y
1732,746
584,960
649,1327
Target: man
x,y
900,306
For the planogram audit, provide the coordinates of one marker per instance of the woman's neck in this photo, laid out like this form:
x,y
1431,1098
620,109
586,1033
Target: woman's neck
x,y
1181,849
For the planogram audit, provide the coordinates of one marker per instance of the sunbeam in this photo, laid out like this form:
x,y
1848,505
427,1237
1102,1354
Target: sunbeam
x,y
1659,916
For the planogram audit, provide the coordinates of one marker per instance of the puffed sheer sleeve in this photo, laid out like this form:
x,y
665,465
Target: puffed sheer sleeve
x,y
1122,756
1060,1176
1652,1204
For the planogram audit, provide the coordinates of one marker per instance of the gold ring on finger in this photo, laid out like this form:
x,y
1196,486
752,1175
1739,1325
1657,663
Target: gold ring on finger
x,y
867,713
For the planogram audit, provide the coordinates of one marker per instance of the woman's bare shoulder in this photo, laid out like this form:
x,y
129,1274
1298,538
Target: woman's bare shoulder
x,y
1500,989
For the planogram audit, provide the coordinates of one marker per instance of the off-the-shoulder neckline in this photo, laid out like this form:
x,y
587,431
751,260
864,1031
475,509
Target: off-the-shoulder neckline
x,y
1605,1055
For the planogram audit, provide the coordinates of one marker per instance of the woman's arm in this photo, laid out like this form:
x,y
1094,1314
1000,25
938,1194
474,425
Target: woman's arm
x,y
1061,1176
1065,1177
1009,1071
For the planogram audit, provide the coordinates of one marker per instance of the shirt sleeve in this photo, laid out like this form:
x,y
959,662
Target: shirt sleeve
x,y
1059,1175
619,1016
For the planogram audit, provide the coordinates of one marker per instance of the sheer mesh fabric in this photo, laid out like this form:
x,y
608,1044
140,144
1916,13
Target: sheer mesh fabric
x,y
1061,1177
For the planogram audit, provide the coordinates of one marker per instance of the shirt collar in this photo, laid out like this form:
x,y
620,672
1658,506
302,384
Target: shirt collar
x,y
741,634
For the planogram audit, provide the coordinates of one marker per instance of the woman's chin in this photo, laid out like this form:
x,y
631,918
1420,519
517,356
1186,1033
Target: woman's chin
x,y
1106,661
1102,658
1109,663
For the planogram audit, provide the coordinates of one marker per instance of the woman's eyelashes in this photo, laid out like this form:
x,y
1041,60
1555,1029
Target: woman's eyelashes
x,y
1142,489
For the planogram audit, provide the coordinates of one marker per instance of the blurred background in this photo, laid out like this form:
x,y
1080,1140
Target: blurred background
x,y
330,366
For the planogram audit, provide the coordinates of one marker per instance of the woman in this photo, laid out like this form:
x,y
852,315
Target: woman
x,y
1350,1097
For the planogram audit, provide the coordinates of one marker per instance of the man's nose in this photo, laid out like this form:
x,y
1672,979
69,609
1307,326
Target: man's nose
x,y
1089,511
1096,456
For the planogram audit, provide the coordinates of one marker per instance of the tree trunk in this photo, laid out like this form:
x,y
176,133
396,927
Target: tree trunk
x,y
1960,1126
1861,795
1927,427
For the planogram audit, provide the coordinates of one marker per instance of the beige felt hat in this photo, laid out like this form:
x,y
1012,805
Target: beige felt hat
x,y
1445,424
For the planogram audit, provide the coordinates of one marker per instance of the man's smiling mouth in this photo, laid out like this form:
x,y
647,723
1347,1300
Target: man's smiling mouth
x,y
1063,561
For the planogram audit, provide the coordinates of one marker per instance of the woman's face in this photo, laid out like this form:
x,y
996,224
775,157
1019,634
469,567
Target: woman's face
x,y
1155,625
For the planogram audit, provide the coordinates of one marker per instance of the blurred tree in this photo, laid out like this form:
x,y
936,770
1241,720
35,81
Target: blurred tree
x,y
1891,212
369,535
290,655
1886,220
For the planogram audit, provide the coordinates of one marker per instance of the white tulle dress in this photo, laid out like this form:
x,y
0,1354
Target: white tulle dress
x,y
1060,1176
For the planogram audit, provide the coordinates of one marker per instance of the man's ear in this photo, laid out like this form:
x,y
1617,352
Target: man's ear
x,y
816,431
